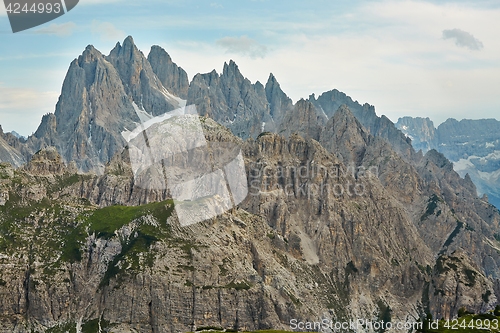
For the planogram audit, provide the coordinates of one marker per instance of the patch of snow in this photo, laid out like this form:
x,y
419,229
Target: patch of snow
x,y
89,140
491,177
404,127
323,111
262,127
464,164
172,98
490,144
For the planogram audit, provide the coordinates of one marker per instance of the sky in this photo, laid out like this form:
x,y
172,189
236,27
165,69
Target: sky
x,y
436,59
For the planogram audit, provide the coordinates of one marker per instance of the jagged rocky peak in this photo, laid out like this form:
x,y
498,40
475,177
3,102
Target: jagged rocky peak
x,y
47,162
435,168
101,97
232,70
279,102
345,136
304,120
232,100
330,101
439,159
126,52
139,80
421,131
173,77
89,55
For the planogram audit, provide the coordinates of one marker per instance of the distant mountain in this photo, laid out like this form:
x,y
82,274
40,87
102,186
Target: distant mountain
x,y
8,150
472,145
421,131
17,135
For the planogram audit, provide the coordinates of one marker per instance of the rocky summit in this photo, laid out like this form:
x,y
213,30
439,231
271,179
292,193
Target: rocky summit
x,y
343,219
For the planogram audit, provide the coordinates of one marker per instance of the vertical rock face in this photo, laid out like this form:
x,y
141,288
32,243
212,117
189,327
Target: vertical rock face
x,y
8,153
303,119
101,97
173,78
139,80
353,139
232,100
91,112
382,127
279,103
421,131
396,236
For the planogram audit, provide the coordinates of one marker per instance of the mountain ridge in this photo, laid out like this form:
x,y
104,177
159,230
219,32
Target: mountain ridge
x,y
145,87
472,145
343,219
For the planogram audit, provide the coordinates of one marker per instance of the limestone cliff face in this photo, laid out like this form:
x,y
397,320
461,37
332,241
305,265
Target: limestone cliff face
x,y
303,119
320,235
279,103
421,131
173,78
232,100
101,97
330,101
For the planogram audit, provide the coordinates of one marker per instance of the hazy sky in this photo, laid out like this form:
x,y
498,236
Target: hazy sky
x,y
419,58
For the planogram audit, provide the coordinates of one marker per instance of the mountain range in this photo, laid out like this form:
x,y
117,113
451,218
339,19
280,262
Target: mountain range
x,y
343,220
472,145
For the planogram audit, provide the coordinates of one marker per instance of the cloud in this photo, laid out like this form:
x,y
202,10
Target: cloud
x,y
216,5
22,108
61,30
463,39
107,31
243,45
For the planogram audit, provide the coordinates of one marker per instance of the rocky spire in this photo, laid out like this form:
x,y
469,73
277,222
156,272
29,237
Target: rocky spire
x,y
279,102
302,119
139,80
345,136
173,77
